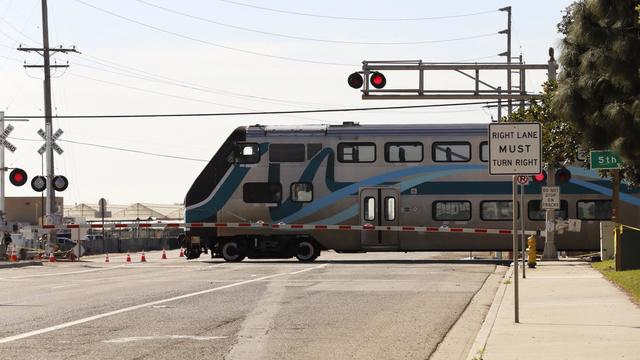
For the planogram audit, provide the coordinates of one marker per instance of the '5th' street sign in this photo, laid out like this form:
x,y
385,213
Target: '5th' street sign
x,y
605,159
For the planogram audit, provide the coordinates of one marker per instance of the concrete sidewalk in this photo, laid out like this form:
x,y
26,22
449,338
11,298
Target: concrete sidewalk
x,y
567,311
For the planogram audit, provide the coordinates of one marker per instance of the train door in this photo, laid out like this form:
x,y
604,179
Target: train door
x,y
379,207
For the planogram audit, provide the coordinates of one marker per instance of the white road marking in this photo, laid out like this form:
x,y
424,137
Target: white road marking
x,y
161,337
62,273
152,303
64,286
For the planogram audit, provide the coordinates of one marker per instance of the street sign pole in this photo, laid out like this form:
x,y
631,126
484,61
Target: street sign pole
x,y
522,231
610,160
515,149
514,209
2,174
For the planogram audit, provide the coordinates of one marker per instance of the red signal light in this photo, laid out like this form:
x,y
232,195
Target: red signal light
x,y
541,177
355,80
18,177
563,175
378,80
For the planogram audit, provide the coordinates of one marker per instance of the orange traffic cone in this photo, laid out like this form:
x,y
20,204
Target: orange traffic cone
x,y
52,258
14,256
143,258
164,255
106,257
181,252
128,257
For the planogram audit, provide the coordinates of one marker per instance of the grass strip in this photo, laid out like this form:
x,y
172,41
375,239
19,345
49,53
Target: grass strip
x,y
628,280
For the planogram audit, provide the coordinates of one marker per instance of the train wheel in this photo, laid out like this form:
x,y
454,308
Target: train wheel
x,y
192,253
307,251
232,252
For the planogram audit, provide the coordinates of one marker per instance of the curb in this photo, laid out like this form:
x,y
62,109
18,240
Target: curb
x,y
480,342
20,264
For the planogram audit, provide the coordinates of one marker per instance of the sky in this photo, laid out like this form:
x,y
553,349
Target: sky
x,y
209,56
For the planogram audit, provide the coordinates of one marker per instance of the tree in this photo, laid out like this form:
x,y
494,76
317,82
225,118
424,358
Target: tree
x,y
599,85
560,139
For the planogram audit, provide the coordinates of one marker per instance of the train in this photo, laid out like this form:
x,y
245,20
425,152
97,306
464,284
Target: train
x,y
432,175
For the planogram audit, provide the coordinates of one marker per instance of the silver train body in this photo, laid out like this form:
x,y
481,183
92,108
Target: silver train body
x,y
408,175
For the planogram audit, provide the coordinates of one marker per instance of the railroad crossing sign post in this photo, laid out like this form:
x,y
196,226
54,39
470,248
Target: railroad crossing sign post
x,y
55,137
4,133
515,149
610,160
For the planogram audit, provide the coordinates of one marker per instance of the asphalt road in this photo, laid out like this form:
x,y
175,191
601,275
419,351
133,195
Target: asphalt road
x,y
356,306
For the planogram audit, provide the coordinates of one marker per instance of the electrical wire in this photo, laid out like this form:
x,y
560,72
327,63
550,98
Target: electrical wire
x,y
116,148
295,37
206,42
116,116
178,96
356,18
18,30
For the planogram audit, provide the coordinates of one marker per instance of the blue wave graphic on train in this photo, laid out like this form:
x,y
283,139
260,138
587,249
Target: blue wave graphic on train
x,y
289,211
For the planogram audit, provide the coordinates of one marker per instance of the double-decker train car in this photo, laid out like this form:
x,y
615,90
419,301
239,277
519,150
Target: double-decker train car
x,y
375,175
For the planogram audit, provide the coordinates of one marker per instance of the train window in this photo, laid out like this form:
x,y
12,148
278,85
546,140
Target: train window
x,y
356,152
535,213
499,210
312,150
286,153
484,151
451,210
403,152
451,151
247,153
390,208
594,209
301,192
369,208
268,192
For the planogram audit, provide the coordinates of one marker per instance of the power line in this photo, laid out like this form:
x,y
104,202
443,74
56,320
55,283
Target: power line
x,y
356,18
206,42
115,116
192,86
18,30
175,96
296,37
117,148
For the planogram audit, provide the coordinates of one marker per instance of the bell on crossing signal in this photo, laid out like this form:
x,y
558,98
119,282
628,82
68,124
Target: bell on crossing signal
x,y
378,80
355,80
563,176
540,178
39,183
18,177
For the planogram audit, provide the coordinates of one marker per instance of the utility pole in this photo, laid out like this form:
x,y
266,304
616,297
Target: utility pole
x,y
550,252
508,55
45,51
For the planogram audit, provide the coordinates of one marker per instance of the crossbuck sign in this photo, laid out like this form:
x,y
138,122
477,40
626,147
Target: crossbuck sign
x,y
55,137
514,149
3,138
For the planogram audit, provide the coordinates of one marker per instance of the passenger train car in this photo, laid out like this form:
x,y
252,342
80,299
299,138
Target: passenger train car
x,y
408,175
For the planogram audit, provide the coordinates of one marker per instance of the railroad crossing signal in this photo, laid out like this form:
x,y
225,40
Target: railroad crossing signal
x,y
55,137
3,138
39,183
18,177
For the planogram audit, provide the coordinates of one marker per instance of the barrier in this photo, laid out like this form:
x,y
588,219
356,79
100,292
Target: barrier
x,y
282,226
